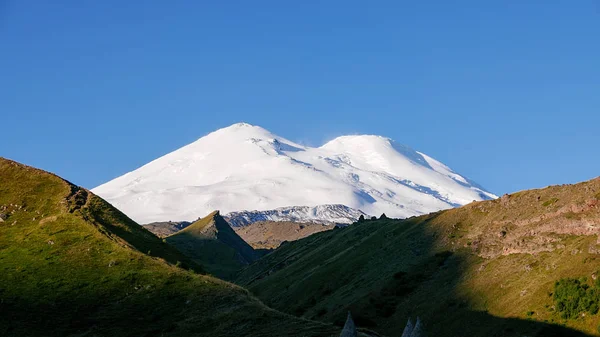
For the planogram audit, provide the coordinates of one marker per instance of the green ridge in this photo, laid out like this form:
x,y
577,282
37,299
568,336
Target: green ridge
x,y
485,269
211,242
72,265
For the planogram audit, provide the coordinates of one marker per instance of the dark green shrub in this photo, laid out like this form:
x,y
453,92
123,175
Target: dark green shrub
x,y
550,202
573,297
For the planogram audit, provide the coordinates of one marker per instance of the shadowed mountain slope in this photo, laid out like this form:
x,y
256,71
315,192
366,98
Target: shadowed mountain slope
x,y
72,265
464,271
211,242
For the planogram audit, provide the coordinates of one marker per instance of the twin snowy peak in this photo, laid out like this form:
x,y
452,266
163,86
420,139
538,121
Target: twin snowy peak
x,y
243,168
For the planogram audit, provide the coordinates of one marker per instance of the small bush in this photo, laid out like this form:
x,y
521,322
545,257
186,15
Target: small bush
x,y
573,297
550,202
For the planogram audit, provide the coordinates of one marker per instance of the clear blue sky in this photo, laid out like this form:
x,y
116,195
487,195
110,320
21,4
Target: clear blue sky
x,y
504,92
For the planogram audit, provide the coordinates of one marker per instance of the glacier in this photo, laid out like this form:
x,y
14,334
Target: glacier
x,y
323,214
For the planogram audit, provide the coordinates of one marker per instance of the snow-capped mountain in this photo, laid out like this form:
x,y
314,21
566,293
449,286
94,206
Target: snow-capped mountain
x,y
245,167
325,214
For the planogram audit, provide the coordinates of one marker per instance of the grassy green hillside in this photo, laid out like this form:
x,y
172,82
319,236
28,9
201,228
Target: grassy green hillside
x,y
485,269
211,242
72,265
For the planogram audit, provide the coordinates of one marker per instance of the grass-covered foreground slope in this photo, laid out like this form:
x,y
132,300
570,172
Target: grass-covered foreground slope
x,y
71,265
211,242
485,269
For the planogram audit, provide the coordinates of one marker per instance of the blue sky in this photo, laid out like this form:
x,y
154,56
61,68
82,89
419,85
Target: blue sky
x,y
504,92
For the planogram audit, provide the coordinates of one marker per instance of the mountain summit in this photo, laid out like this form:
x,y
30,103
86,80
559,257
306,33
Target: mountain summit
x,y
245,167
211,242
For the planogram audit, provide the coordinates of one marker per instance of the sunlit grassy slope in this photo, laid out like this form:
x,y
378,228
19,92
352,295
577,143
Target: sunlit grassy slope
x,y
72,265
485,269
